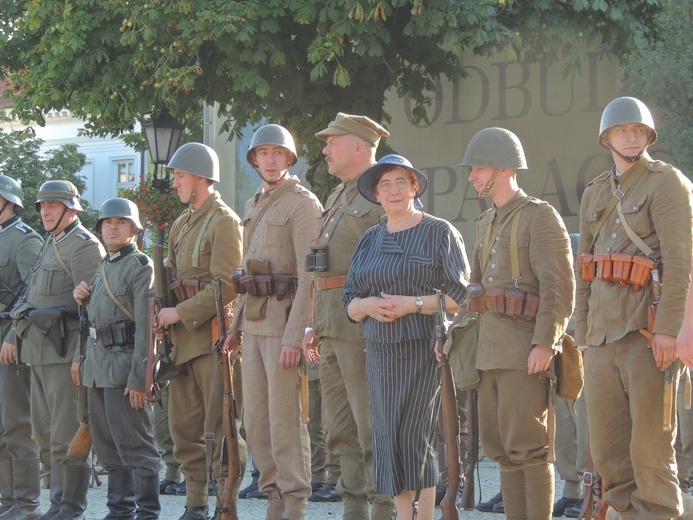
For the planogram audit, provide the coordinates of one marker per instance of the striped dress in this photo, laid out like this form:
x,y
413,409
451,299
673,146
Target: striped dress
x,y
401,369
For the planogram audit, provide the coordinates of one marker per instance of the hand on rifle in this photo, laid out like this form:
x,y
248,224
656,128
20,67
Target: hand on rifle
x,y
311,347
232,346
137,399
8,353
168,316
438,352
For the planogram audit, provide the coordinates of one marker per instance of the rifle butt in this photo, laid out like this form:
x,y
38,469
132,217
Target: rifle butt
x,y
451,433
81,443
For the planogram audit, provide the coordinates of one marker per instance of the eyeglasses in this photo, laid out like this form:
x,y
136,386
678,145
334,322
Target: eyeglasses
x,y
399,184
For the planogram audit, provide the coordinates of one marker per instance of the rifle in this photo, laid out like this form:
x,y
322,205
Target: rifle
x,y
152,388
230,456
16,295
471,457
451,423
81,443
167,369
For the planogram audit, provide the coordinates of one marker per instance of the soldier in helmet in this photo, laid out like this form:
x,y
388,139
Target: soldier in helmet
x,y
113,367
47,328
635,221
278,228
522,263
19,455
205,242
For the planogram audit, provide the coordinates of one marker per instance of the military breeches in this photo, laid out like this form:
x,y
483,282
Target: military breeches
x,y
624,391
122,436
15,419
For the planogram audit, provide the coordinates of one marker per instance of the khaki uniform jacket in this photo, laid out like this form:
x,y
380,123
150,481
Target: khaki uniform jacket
x,y
283,236
50,286
545,262
657,208
19,247
337,234
130,276
219,253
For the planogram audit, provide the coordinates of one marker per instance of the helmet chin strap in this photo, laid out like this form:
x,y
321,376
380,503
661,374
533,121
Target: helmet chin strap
x,y
272,183
59,220
489,184
4,207
629,158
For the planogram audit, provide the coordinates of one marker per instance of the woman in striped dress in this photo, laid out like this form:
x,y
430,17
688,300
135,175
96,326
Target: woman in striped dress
x,y
391,285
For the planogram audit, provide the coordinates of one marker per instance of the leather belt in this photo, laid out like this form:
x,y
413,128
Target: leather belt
x,y
330,282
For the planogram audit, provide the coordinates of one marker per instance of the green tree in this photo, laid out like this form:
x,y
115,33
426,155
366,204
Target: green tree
x,y
294,62
21,159
661,73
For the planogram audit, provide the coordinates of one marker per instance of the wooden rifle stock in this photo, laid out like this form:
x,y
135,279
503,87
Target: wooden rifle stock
x,y
231,460
472,456
451,423
81,443
151,387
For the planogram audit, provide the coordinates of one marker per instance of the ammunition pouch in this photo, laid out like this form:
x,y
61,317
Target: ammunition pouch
x,y
120,334
279,285
620,268
187,288
511,303
236,276
51,323
475,298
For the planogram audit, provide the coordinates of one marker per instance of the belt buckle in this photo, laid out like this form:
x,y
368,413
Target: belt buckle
x,y
92,332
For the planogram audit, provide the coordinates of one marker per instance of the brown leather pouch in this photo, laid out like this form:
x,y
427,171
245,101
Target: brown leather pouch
x,y
514,302
604,266
621,264
265,284
641,272
587,267
475,292
531,306
248,281
236,275
284,284
495,300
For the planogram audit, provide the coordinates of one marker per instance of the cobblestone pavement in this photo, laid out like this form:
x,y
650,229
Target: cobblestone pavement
x,y
172,506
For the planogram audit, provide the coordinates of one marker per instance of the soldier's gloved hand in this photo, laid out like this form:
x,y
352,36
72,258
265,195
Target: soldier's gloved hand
x,y
8,353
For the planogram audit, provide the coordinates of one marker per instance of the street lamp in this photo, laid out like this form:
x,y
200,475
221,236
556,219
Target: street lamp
x,y
162,133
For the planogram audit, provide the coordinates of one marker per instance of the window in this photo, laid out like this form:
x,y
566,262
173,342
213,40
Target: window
x,y
125,172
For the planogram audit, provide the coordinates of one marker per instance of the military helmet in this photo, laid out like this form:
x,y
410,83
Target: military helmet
x,y
495,148
120,208
12,191
196,159
273,135
624,110
58,191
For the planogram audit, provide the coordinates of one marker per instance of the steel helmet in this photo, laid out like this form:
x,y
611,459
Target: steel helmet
x,y
196,159
121,208
12,191
275,135
495,148
624,110
58,191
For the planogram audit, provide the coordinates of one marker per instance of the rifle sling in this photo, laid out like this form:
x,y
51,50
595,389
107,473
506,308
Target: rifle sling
x,y
110,293
61,261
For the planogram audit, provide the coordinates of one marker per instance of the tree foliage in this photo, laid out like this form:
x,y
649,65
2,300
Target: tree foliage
x,y
294,62
20,158
661,73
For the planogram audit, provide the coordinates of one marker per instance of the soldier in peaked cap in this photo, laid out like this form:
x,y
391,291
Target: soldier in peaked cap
x,y
635,221
114,363
526,308
47,327
205,242
19,455
272,313
333,340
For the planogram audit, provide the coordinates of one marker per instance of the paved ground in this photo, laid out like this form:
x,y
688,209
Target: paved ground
x,y
172,506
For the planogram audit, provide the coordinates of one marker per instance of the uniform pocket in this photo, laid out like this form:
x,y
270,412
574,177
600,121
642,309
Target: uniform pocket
x,y
635,211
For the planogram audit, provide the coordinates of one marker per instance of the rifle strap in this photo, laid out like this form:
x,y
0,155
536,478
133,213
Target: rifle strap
x,y
61,261
198,241
588,481
110,292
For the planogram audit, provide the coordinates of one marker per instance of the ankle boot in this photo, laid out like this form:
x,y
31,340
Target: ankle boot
x,y
56,492
74,501
25,478
121,494
147,496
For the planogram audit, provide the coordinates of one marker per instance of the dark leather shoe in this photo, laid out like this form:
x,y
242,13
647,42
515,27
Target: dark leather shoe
x,y
498,507
194,513
325,494
487,507
561,504
574,511
164,485
257,495
182,488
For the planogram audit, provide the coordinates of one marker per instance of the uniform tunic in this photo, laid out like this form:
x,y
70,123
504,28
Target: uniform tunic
x,y
122,436
54,410
191,394
401,368
19,246
623,386
275,435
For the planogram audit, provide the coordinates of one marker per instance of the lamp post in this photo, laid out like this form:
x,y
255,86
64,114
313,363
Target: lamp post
x,y
162,133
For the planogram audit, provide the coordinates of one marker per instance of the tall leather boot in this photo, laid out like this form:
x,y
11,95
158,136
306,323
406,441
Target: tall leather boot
x,y
56,492
25,477
539,490
147,496
6,487
513,487
74,501
121,494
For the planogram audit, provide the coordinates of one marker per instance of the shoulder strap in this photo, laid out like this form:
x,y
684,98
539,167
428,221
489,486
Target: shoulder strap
x,y
196,250
110,293
487,238
61,261
277,192
639,242
514,255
